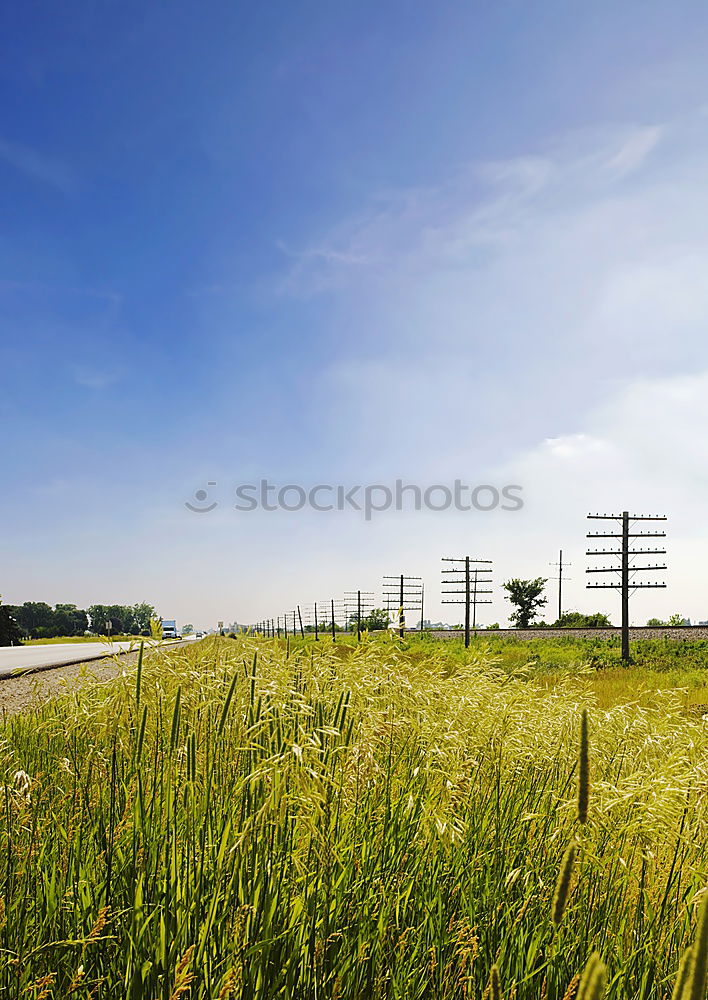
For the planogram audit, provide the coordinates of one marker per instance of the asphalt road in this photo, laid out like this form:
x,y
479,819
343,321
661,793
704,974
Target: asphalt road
x,y
14,658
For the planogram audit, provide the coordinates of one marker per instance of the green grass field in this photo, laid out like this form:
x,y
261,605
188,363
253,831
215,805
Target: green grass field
x,y
247,819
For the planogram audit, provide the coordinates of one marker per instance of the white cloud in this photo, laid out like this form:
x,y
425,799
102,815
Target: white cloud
x,y
506,303
635,150
489,204
643,450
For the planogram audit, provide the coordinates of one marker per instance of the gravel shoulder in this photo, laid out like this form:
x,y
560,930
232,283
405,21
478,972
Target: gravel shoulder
x,y
21,692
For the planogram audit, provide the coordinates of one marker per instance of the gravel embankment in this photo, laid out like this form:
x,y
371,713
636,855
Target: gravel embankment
x,y
25,691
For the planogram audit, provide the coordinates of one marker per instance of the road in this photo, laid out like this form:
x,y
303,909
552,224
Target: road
x,y
13,658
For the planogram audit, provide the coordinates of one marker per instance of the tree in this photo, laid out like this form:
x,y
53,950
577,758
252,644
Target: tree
x,y
187,629
677,620
10,634
527,597
376,620
69,620
36,620
98,613
655,623
114,619
120,619
141,617
576,619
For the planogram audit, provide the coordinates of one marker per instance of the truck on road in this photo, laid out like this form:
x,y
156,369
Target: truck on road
x,y
169,629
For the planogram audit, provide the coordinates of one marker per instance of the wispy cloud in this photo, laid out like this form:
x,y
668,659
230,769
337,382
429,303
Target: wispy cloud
x,y
515,294
485,207
635,150
39,166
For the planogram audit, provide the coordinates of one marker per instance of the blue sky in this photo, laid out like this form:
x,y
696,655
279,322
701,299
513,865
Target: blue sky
x,y
337,243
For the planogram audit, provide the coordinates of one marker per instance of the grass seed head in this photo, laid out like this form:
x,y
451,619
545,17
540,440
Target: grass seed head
x,y
696,988
683,976
572,988
560,896
495,990
593,981
583,770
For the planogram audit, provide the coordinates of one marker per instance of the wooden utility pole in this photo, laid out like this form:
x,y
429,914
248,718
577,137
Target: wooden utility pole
x,y
408,592
626,568
356,602
338,607
312,620
475,580
560,566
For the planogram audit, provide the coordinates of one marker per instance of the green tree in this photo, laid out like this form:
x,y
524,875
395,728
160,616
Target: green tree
x,y
655,623
36,620
10,634
676,620
376,620
187,629
98,615
141,617
120,618
114,619
527,597
69,620
576,619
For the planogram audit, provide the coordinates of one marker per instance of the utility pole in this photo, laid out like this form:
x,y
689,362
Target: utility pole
x,y
560,566
312,619
475,577
408,591
356,602
337,609
332,613
626,568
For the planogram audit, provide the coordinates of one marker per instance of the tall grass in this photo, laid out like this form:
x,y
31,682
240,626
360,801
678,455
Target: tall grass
x,y
254,820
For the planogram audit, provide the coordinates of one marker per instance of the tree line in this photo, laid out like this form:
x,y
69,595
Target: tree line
x,y
38,620
527,598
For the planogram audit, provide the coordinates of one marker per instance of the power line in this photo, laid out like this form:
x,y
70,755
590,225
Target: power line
x,y
356,602
560,565
626,568
408,593
473,581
